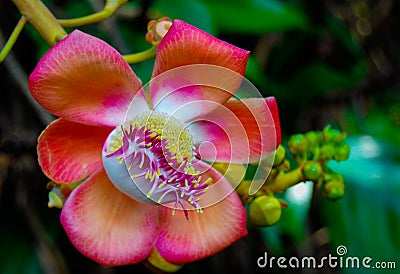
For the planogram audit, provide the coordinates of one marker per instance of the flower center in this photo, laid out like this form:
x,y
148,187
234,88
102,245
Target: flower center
x,y
157,150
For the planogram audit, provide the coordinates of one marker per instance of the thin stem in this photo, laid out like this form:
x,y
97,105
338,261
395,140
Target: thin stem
x,y
110,8
13,38
140,56
39,16
285,180
85,20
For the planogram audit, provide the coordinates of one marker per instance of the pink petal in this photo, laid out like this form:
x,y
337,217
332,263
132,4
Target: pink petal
x,y
217,80
273,107
193,90
240,131
107,226
69,151
222,223
84,79
185,44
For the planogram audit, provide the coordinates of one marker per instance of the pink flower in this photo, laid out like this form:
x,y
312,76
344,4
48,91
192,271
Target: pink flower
x,y
118,142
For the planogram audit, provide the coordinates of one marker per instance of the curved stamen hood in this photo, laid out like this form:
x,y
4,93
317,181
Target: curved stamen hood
x,y
149,158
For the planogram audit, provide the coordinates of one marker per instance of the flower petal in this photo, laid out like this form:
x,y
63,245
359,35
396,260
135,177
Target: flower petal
x,y
273,107
84,79
107,226
192,90
206,233
240,131
69,151
186,45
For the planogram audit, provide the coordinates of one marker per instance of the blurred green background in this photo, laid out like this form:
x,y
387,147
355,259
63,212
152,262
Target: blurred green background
x,y
327,62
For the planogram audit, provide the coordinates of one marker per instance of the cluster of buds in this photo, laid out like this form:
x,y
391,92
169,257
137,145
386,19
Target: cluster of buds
x,y
59,193
312,151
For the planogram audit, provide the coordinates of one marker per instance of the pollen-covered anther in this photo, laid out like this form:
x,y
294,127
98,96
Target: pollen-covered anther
x,y
158,151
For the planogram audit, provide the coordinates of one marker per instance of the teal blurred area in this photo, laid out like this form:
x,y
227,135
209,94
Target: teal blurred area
x,y
367,219
327,62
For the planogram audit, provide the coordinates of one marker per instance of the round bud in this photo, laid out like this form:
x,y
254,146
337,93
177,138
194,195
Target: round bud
x,y
158,264
59,193
314,138
279,155
327,152
265,211
333,136
312,170
298,144
334,188
342,152
55,199
157,29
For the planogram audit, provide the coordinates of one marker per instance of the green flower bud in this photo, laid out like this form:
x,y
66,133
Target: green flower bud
x,y
55,199
156,263
327,152
334,187
314,138
280,155
157,29
342,152
265,211
298,144
333,136
312,170
59,193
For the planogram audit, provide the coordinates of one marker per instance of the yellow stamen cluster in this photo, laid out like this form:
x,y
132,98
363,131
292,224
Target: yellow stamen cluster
x,y
115,141
180,141
158,147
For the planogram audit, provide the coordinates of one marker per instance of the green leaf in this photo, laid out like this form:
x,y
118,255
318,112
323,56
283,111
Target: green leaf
x,y
193,12
320,78
298,198
255,74
367,219
316,79
256,16
342,33
382,122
